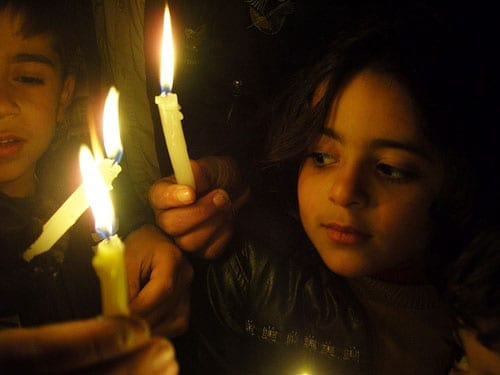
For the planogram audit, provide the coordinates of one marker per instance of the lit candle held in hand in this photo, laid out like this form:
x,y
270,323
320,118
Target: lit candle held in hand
x,y
108,261
76,204
169,108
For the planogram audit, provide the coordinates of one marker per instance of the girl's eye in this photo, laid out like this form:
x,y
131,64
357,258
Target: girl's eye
x,y
29,80
322,159
395,174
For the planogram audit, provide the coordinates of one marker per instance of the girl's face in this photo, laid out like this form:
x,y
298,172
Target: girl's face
x,y
365,192
33,95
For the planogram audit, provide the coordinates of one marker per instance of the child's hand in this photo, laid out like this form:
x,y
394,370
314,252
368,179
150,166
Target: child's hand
x,y
200,221
102,345
159,277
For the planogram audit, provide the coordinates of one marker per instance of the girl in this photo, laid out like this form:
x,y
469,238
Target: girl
x,y
364,164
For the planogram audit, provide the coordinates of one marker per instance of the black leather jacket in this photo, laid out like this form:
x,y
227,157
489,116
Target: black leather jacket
x,y
270,306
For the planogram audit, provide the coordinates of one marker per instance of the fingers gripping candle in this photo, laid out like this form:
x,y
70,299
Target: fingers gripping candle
x,y
108,261
169,109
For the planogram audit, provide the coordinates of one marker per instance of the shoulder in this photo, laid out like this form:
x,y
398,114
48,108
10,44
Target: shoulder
x,y
272,296
272,309
272,276
267,244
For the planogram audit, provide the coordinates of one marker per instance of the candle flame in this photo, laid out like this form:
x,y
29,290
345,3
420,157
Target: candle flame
x,y
97,194
111,126
167,54
95,140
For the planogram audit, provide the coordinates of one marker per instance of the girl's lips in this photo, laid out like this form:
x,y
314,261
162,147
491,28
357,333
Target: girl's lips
x,y
345,235
10,146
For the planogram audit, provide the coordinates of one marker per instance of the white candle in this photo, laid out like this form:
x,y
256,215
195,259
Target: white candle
x,y
109,264
170,113
108,261
69,212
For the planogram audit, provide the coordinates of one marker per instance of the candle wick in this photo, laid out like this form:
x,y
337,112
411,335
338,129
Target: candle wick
x,y
118,157
165,89
103,234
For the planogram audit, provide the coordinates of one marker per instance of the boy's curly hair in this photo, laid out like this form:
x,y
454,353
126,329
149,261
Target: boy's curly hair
x,y
56,18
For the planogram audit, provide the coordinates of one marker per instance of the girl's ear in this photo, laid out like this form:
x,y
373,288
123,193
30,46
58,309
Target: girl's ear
x,y
65,96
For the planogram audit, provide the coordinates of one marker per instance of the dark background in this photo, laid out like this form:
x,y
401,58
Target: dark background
x,y
221,118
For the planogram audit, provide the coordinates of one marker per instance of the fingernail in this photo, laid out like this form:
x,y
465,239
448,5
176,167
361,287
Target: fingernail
x,y
184,195
220,199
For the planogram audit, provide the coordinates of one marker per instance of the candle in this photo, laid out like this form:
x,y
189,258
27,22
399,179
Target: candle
x,y
108,261
169,108
77,202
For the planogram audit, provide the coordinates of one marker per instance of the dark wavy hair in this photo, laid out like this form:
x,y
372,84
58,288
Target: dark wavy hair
x,y
417,48
472,290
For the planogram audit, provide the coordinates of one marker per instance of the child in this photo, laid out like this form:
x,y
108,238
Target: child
x,y
35,89
473,294
35,178
366,155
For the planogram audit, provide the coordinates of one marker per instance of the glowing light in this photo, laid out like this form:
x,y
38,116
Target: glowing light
x,y
170,114
167,54
97,193
111,126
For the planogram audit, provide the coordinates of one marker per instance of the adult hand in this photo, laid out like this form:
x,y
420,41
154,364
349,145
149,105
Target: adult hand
x,y
159,277
200,221
102,345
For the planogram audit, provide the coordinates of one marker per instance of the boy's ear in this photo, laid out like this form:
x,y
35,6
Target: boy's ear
x,y
65,96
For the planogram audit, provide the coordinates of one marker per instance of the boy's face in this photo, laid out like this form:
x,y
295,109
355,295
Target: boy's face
x,y
33,95
365,193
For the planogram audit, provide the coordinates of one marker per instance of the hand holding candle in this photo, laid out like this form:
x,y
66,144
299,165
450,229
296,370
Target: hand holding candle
x,y
108,262
77,203
170,113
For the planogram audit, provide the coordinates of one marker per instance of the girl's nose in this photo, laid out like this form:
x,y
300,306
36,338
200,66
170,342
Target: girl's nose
x,y
8,106
349,188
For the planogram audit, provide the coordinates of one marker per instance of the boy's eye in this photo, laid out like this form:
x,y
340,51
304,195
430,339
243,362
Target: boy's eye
x,y
393,173
321,159
30,80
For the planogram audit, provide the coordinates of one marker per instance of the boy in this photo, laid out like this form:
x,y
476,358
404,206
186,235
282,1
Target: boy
x,y
35,90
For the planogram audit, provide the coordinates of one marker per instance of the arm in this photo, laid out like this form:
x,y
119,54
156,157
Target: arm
x,y
158,272
159,278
